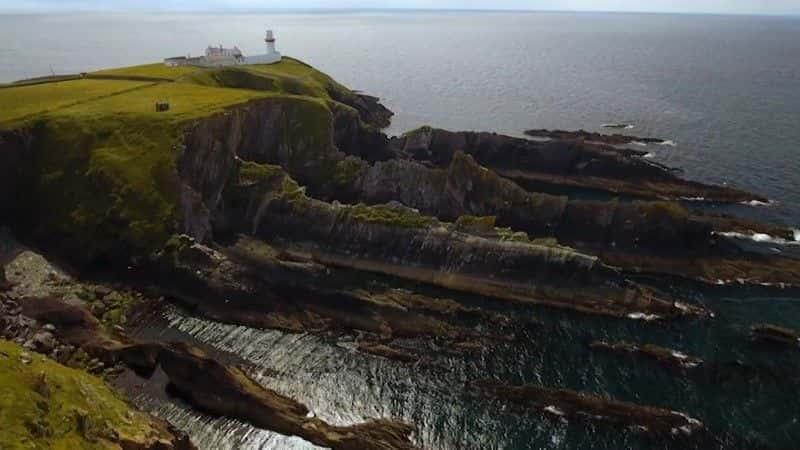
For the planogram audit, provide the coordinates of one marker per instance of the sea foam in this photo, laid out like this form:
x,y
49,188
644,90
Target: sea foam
x,y
763,238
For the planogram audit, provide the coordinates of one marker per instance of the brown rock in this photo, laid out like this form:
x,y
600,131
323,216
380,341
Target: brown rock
x,y
224,390
775,334
582,405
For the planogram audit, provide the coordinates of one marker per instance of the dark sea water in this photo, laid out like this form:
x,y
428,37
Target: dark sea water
x,y
724,89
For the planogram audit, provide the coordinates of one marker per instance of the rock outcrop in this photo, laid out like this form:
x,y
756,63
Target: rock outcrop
x,y
400,242
666,356
213,387
580,405
775,334
448,184
560,164
210,385
582,135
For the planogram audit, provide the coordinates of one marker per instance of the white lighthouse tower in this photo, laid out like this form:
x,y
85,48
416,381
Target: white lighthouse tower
x,y
272,55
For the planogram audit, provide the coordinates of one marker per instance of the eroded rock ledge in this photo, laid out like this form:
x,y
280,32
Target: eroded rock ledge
x,y
228,391
402,243
426,170
562,163
212,386
580,405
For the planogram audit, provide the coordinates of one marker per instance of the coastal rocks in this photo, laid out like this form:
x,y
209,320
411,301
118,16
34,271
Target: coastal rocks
x,y
580,405
666,356
228,391
221,390
561,164
247,283
226,156
42,342
369,108
611,139
774,334
408,245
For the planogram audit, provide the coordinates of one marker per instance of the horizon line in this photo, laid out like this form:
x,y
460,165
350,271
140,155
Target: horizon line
x,y
386,9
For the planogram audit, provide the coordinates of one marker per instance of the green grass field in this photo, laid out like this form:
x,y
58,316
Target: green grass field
x,y
156,70
42,411
106,173
23,102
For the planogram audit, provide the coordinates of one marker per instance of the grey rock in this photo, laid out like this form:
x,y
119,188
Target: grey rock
x,y
44,342
102,291
25,358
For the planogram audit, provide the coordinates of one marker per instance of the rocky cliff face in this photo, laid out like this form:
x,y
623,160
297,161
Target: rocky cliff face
x,y
399,241
429,174
561,163
17,150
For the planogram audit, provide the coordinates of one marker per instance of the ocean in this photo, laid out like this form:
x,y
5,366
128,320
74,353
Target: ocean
x,y
724,90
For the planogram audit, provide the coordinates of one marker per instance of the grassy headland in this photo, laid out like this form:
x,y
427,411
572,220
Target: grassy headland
x,y
104,179
46,405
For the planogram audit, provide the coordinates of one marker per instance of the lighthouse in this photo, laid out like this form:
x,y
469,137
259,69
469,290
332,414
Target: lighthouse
x,y
270,40
272,55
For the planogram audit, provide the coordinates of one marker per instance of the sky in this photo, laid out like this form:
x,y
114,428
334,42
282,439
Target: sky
x,y
686,6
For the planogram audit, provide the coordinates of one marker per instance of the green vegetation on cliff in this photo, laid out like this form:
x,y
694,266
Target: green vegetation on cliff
x,y
103,180
44,405
155,70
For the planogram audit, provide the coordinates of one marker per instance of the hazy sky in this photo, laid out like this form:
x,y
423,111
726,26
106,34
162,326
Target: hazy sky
x,y
699,6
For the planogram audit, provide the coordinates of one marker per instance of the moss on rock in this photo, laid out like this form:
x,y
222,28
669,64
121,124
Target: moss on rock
x,y
389,215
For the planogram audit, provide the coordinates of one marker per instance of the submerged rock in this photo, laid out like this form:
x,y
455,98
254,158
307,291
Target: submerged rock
x,y
775,334
663,355
580,405
611,139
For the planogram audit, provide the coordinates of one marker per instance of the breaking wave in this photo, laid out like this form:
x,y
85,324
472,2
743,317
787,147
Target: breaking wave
x,y
619,126
763,237
759,203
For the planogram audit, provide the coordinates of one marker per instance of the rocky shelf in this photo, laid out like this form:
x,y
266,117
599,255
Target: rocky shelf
x,y
580,405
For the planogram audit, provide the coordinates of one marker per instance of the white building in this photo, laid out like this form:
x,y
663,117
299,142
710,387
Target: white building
x,y
271,57
220,56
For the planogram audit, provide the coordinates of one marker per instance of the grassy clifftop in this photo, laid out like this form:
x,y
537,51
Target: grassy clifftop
x,y
104,177
46,405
